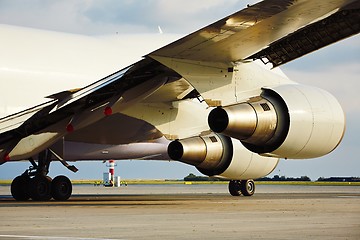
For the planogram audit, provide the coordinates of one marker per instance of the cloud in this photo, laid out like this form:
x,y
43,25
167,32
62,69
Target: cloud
x,y
335,68
172,16
342,80
52,15
108,16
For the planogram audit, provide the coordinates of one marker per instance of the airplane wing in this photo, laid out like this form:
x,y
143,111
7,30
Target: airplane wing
x,y
276,30
74,110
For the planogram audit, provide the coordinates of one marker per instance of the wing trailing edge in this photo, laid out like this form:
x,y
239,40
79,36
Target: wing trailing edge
x,y
338,26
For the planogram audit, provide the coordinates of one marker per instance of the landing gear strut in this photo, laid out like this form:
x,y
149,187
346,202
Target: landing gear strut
x,y
35,184
244,187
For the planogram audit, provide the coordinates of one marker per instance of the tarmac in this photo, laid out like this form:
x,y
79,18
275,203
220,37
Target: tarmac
x,y
186,212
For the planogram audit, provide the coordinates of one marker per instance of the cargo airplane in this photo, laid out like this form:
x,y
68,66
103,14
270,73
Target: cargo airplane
x,y
214,99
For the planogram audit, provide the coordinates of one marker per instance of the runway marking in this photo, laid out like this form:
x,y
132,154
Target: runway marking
x,y
54,238
348,196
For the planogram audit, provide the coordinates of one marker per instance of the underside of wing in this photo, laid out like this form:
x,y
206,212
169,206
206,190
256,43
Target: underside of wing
x,y
116,129
93,114
277,30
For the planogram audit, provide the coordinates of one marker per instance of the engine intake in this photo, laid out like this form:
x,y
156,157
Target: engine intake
x,y
288,121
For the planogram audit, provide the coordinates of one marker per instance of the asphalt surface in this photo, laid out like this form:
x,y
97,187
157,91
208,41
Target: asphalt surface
x,y
186,212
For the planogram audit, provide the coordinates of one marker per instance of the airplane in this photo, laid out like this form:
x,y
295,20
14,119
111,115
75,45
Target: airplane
x,y
214,99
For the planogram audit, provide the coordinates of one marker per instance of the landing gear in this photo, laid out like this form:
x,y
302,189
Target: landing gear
x,y
248,187
234,188
35,184
245,187
19,188
40,188
61,188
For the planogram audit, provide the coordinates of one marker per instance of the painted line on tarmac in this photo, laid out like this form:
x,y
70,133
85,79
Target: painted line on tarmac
x,y
348,196
53,237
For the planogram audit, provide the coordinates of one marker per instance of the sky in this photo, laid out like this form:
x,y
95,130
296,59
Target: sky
x,y
335,68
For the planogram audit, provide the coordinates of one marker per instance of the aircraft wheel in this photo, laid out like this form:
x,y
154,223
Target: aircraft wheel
x,y
247,187
235,188
40,188
61,188
19,188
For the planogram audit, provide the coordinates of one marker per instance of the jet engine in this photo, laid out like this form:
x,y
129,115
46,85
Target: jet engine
x,y
287,121
217,155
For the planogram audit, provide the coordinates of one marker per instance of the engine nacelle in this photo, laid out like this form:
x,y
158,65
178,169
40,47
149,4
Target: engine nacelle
x,y
217,155
288,121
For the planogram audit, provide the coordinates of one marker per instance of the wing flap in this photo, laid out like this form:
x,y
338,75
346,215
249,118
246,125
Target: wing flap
x,y
13,121
335,27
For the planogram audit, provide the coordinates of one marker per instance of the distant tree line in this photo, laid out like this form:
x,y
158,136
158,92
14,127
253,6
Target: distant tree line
x,y
285,179
193,178
339,179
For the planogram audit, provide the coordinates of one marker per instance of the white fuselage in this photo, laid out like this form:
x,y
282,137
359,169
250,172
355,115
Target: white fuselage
x,y
37,63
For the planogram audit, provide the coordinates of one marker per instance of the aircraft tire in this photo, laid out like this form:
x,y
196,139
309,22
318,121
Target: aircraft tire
x,y
40,188
61,188
234,188
19,188
247,187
